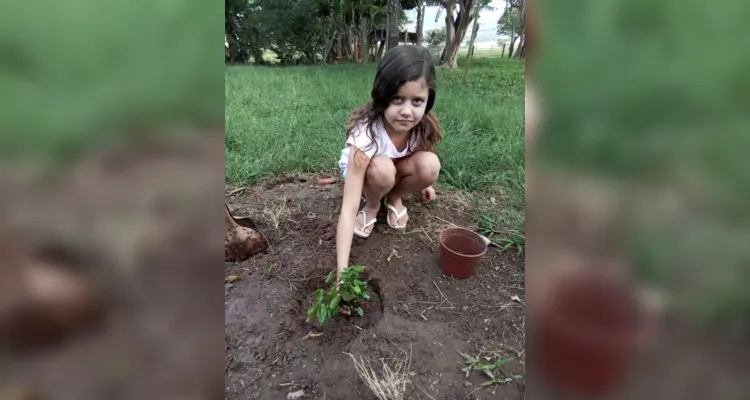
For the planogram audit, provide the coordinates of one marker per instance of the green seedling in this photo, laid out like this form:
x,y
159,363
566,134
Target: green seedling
x,y
489,369
349,292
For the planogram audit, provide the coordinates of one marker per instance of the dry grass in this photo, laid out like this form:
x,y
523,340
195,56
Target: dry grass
x,y
392,383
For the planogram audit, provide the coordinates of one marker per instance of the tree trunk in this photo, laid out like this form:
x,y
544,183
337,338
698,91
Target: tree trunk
x,y
365,50
329,41
470,53
465,16
520,46
258,56
512,44
354,38
392,24
381,47
523,32
420,21
522,51
450,27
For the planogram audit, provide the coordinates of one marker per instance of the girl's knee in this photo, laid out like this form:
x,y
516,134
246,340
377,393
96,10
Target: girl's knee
x,y
382,172
428,167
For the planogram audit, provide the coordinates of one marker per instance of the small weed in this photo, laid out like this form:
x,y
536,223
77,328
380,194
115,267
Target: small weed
x,y
350,292
487,225
433,205
514,239
492,370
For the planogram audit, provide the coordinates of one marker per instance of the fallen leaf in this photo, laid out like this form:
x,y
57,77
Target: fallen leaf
x,y
231,278
295,395
515,298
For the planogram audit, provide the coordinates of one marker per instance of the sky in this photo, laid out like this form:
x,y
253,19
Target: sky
x,y
487,23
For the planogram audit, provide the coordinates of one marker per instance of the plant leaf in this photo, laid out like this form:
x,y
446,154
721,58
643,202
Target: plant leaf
x,y
467,370
330,277
489,374
335,303
481,367
488,383
502,362
356,289
319,295
322,314
346,296
360,311
468,358
310,313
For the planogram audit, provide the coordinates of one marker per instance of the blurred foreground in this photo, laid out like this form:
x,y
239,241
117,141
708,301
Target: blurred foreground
x,y
107,276
637,191
110,185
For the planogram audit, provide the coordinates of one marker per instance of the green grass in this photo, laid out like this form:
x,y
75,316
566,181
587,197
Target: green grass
x,y
293,119
74,82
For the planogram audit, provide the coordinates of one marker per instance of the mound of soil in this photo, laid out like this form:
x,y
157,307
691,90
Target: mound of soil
x,y
272,351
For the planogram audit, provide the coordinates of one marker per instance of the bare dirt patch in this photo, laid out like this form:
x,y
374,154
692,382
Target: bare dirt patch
x,y
272,351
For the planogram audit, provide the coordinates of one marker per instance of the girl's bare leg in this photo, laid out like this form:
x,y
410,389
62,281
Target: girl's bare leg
x,y
379,180
414,173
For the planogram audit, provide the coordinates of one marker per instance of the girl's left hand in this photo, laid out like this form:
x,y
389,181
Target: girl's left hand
x,y
428,195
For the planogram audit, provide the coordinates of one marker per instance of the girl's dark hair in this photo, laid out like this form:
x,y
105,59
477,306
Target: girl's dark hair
x,y
400,65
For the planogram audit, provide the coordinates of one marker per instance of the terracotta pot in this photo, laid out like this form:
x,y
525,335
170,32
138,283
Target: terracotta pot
x,y
587,332
460,252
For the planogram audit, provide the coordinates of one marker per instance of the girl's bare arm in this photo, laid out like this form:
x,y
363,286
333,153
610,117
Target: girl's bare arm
x,y
355,179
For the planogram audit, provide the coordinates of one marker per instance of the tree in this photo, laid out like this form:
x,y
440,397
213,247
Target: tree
x,y
435,37
511,23
474,31
308,31
243,38
458,16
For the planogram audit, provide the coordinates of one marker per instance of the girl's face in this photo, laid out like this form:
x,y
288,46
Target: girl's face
x,y
408,106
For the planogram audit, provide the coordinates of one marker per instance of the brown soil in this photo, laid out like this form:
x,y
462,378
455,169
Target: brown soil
x,y
139,227
270,350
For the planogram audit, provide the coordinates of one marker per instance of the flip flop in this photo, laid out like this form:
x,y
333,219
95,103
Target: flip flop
x,y
361,233
396,213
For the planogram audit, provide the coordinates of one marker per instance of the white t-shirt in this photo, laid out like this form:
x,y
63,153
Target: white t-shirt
x,y
360,139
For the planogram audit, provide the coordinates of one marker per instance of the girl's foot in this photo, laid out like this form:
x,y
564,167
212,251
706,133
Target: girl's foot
x,y
365,222
397,216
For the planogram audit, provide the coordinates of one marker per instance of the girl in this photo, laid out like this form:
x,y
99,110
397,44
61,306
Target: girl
x,y
389,147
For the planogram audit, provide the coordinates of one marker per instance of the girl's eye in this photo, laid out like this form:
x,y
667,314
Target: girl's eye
x,y
397,100
418,101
